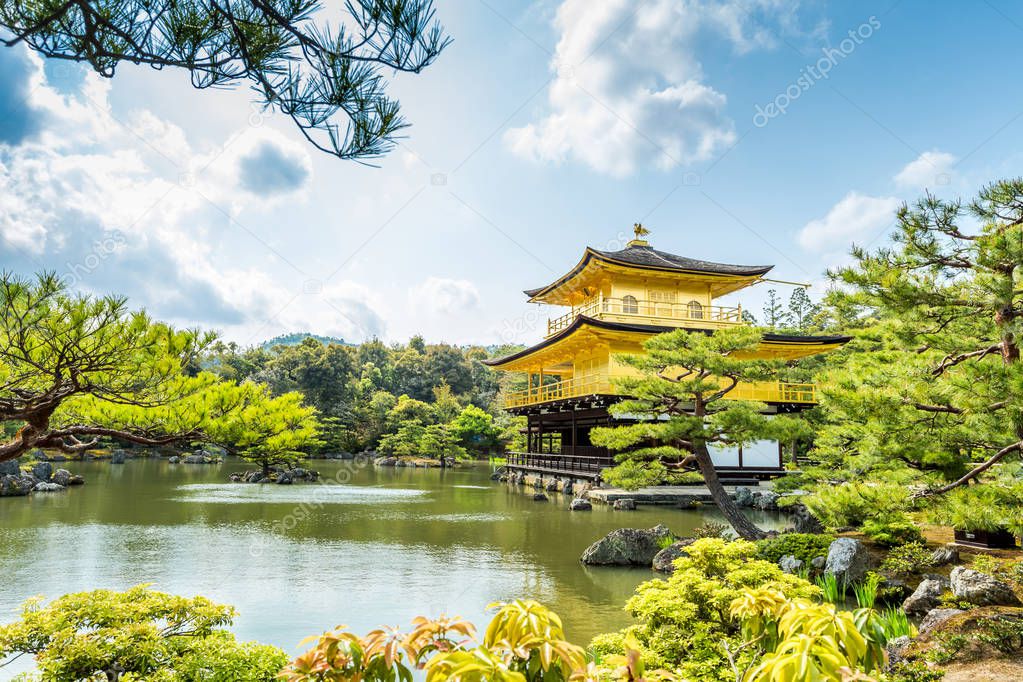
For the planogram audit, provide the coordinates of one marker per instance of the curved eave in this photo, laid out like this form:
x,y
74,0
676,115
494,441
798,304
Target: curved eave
x,y
814,344
740,272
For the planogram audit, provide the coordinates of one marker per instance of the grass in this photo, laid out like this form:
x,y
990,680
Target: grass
x,y
834,591
866,591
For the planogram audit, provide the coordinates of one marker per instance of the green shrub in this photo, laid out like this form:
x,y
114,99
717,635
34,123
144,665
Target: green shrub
x,y
146,634
909,559
948,646
852,504
804,546
912,671
633,475
791,482
892,533
685,622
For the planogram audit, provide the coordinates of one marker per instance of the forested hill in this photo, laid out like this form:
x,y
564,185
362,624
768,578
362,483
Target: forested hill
x,y
296,338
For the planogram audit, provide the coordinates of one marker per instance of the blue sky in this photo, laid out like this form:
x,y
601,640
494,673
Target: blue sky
x,y
546,126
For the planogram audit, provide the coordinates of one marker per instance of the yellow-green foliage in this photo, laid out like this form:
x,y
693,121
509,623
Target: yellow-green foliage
x,y
685,621
852,504
808,641
141,633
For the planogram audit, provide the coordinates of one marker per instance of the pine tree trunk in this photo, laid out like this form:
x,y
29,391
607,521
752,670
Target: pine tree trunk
x,y
742,525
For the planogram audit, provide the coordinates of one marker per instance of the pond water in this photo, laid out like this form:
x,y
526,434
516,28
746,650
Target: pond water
x,y
371,546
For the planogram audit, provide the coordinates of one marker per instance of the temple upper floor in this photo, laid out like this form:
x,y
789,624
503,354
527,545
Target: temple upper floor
x,y
639,284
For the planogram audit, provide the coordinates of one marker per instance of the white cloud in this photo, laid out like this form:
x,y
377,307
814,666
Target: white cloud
x,y
444,296
628,90
126,204
855,217
927,171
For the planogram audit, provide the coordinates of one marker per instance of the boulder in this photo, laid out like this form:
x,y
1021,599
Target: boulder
x,y
790,564
628,547
75,480
551,485
664,561
766,501
539,497
949,554
15,486
568,487
936,617
847,559
803,520
981,589
743,497
284,478
10,467
47,487
174,460
926,597
624,504
42,470
117,457
819,562
896,649
58,458
579,504
62,477
385,461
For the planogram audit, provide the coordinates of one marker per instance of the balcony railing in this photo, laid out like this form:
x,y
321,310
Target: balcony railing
x,y
761,391
628,307
568,388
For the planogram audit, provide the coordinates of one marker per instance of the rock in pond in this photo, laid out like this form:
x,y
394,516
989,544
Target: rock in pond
x,y
688,502
15,486
385,461
283,478
981,589
42,470
766,500
628,547
664,561
803,520
539,497
579,504
743,497
173,460
10,467
926,597
62,477
624,504
847,559
47,487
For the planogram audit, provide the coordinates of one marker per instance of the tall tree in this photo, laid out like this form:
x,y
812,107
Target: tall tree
x,y
74,369
682,388
945,387
311,71
774,311
802,310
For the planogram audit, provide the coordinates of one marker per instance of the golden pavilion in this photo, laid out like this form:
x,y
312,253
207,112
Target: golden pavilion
x,y
613,301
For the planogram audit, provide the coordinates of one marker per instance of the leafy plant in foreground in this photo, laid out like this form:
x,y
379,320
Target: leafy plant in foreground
x,y
139,632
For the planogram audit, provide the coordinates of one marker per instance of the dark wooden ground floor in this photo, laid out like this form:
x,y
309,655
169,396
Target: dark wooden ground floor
x,y
558,443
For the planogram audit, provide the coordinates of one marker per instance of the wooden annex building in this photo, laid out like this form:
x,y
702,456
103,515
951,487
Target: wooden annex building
x,y
614,300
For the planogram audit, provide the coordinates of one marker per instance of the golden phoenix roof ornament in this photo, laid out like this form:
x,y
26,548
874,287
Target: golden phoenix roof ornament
x,y
640,232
